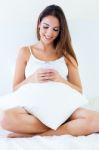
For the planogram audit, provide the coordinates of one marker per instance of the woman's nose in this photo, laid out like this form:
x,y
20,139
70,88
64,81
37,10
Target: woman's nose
x,y
49,32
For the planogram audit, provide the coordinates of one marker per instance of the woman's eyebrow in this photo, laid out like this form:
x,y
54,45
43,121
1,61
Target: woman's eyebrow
x,y
49,25
46,24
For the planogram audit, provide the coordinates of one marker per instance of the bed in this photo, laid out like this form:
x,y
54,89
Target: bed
x,y
64,142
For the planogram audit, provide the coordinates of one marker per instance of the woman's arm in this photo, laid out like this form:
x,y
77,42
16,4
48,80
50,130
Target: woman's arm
x,y
73,78
40,75
73,75
19,75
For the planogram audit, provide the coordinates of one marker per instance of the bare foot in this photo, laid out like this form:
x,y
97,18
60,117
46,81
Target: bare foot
x,y
19,135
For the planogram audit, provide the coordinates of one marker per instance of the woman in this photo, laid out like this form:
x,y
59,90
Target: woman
x,y
53,43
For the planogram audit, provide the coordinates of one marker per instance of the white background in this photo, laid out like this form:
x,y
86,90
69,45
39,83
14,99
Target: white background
x,y
17,28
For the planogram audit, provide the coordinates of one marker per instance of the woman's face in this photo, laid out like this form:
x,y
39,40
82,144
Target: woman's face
x,y
49,29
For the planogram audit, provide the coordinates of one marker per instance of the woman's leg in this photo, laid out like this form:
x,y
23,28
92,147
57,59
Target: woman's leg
x,y
19,121
19,135
86,120
82,122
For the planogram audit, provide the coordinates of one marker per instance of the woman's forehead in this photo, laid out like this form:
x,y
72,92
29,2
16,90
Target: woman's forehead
x,y
51,21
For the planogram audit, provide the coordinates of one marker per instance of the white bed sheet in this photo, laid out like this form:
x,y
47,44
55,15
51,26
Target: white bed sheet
x,y
64,142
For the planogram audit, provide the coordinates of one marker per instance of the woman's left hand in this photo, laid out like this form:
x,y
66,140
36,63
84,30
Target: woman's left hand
x,y
55,76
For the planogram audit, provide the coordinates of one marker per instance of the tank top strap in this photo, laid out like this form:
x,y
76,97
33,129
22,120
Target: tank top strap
x,y
30,50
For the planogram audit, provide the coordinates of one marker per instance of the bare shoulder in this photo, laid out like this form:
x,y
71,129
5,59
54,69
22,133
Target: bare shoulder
x,y
24,53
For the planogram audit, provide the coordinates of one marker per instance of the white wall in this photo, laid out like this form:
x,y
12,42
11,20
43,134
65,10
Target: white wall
x,y
17,28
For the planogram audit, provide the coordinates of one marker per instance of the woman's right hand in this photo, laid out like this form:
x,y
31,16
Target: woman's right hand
x,y
41,75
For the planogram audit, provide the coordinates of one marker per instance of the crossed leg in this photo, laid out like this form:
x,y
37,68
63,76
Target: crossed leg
x,y
81,122
21,123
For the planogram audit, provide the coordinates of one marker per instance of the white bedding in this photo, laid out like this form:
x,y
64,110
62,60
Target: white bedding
x,y
64,142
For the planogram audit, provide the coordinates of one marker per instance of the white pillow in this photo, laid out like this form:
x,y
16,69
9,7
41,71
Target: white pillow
x,y
51,102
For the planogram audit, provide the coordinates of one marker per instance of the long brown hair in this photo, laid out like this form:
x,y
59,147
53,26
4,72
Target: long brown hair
x,y
63,41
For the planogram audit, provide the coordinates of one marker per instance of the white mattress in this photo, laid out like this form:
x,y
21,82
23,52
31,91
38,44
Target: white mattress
x,y
64,142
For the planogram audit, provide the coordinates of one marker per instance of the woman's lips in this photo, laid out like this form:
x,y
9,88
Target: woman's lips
x,y
48,38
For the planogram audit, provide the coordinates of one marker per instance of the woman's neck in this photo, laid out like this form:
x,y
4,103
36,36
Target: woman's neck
x,y
46,47
46,50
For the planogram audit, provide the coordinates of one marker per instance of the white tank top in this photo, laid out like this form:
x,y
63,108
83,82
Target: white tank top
x,y
34,64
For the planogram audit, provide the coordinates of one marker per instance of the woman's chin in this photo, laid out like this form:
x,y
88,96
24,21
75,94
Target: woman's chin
x,y
47,42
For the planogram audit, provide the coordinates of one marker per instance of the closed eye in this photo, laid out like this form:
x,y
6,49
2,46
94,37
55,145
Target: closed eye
x,y
45,27
56,30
